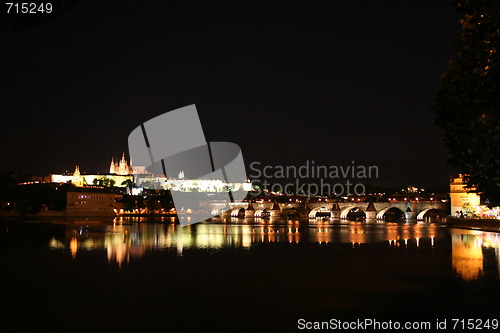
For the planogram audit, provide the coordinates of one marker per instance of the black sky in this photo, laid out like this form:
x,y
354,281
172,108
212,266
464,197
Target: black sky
x,y
329,81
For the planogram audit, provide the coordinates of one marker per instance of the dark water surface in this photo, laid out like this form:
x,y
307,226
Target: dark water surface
x,y
153,275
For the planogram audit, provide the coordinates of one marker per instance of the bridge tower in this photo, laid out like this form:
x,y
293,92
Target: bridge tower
x,y
275,211
250,211
371,212
335,211
410,215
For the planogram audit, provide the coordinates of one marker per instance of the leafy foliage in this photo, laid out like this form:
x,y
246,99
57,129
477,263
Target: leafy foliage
x,y
468,100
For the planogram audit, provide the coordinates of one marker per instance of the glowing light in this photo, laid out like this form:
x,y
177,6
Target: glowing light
x,y
73,247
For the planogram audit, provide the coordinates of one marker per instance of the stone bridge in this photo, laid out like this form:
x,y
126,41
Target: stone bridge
x,y
420,211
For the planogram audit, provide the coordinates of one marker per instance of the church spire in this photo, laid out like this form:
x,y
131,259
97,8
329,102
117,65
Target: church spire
x,y
112,168
77,178
122,167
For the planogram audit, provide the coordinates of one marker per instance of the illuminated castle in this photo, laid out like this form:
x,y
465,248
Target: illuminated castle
x,y
120,168
123,174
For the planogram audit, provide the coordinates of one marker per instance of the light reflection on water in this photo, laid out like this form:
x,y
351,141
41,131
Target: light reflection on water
x,y
124,240
468,252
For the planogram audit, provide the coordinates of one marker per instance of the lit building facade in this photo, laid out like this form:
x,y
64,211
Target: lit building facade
x,y
122,174
204,185
461,196
80,180
90,203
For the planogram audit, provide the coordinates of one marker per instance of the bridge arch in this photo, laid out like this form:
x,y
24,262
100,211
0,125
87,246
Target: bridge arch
x,y
432,214
351,209
261,213
381,213
322,210
238,212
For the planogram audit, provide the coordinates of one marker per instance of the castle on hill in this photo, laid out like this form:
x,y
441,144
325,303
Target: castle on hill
x,y
121,167
122,173
124,168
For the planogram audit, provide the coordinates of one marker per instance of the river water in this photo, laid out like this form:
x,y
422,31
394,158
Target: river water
x,y
152,274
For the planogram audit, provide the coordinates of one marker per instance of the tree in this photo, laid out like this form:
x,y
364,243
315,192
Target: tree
x,y
104,181
129,184
468,99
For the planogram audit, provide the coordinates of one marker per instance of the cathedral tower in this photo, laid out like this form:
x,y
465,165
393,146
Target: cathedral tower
x,y
120,168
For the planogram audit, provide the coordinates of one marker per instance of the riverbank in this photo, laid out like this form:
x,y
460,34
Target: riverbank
x,y
475,224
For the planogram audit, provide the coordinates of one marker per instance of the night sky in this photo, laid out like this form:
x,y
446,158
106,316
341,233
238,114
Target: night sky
x,y
329,81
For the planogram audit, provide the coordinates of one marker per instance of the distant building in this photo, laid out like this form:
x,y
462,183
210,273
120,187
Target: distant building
x,y
182,184
124,168
122,173
120,168
90,203
462,198
77,178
